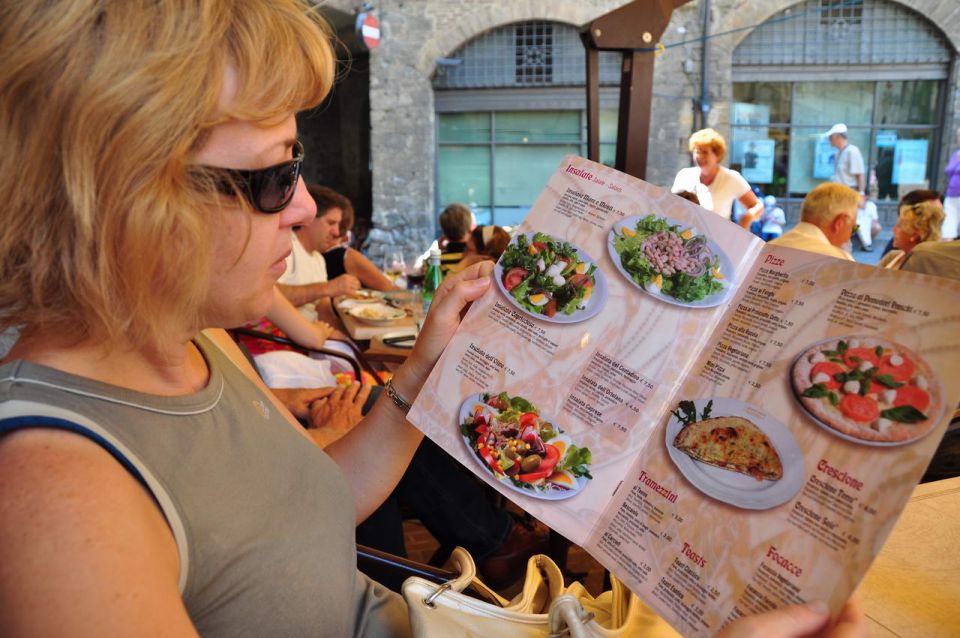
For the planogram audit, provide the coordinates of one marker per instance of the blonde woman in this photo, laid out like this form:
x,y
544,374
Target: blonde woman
x,y
917,224
714,185
148,481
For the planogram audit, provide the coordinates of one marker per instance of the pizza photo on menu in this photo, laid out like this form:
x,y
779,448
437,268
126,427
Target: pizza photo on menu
x,y
523,449
734,452
670,261
550,279
868,390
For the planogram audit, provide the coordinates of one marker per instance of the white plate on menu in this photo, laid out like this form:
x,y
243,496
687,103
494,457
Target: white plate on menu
x,y
597,299
711,300
556,494
732,487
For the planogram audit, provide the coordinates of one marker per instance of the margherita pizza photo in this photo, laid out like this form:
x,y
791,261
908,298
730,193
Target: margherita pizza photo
x,y
868,389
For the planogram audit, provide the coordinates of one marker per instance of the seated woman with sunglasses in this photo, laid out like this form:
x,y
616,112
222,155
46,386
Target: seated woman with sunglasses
x,y
148,482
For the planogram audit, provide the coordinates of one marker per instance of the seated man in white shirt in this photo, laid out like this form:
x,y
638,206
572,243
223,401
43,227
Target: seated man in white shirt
x,y
828,216
305,280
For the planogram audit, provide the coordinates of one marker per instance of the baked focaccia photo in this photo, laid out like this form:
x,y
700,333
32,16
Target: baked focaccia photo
x,y
732,443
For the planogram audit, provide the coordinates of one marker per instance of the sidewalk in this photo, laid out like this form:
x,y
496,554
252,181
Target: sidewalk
x,y
873,257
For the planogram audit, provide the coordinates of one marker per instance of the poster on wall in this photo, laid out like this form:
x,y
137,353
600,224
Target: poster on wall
x,y
754,117
755,158
886,139
823,158
910,162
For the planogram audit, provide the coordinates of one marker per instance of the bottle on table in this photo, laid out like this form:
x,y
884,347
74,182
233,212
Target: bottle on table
x,y
432,279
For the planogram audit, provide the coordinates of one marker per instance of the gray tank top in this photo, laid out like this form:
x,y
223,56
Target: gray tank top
x,y
263,519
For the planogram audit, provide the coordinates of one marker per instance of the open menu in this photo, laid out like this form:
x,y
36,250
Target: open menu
x,y
726,425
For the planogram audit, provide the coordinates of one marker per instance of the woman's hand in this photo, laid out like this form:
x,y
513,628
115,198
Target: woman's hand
x,y
448,304
341,409
298,400
323,331
796,621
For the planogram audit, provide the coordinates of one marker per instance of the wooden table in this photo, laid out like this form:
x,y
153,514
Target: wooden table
x,y
380,351
913,586
360,331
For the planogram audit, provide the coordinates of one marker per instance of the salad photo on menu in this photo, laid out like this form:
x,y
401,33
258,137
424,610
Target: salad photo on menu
x,y
670,261
551,279
522,448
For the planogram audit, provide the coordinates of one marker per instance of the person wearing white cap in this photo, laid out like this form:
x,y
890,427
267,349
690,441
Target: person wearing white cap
x,y
848,168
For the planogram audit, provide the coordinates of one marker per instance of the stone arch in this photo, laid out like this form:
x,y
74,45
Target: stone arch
x,y
935,12
484,18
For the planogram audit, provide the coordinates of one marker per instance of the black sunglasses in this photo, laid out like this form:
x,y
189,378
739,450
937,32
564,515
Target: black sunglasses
x,y
269,189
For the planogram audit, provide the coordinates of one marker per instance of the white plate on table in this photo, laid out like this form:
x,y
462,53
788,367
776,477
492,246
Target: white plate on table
x,y
732,487
377,314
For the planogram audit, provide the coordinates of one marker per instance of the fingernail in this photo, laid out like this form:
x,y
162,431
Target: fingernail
x,y
818,607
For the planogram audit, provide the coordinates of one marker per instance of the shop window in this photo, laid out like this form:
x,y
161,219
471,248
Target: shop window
x,y
893,123
820,62
509,108
498,162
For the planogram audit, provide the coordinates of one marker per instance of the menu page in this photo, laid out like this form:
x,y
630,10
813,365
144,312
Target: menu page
x,y
574,354
848,373
727,426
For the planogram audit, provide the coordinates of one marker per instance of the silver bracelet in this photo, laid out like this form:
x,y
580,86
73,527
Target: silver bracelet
x,y
398,400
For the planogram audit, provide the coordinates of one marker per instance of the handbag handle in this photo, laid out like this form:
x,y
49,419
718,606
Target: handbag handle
x,y
568,619
463,563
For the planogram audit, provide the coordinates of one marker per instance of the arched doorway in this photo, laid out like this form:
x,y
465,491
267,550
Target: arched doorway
x,y
875,65
509,106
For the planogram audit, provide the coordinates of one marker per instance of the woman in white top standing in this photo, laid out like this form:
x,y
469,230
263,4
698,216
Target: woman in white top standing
x,y
716,186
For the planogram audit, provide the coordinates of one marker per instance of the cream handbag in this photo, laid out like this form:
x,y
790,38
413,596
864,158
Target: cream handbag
x,y
543,609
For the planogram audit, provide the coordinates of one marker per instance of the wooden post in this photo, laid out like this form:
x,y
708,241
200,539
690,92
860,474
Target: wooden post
x,y
593,104
634,30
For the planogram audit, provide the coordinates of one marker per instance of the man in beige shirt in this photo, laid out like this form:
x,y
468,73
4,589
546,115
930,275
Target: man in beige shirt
x,y
828,216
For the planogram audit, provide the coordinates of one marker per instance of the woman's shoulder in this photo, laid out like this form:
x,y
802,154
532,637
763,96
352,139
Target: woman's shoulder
x,y
890,258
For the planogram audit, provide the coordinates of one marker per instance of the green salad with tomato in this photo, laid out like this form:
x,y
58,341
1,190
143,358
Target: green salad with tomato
x,y
545,276
521,447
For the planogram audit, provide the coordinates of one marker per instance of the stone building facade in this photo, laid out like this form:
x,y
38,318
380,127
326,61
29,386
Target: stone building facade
x,y
417,33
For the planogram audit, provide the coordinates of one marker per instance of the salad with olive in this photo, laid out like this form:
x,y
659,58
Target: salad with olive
x,y
518,445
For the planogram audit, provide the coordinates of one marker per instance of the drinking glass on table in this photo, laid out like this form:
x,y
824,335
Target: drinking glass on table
x,y
394,265
416,308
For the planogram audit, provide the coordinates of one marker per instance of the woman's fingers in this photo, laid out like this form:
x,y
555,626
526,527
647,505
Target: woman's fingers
x,y
363,395
476,271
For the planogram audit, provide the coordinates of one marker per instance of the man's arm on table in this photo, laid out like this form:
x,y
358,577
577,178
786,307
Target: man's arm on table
x,y
301,294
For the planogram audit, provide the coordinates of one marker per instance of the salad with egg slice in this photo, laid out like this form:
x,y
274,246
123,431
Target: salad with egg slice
x,y
546,276
521,447
668,258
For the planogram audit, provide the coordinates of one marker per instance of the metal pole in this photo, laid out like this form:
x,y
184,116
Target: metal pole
x,y
704,66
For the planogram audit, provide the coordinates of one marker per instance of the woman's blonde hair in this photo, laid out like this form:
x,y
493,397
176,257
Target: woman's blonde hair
x,y
712,140
925,219
104,229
